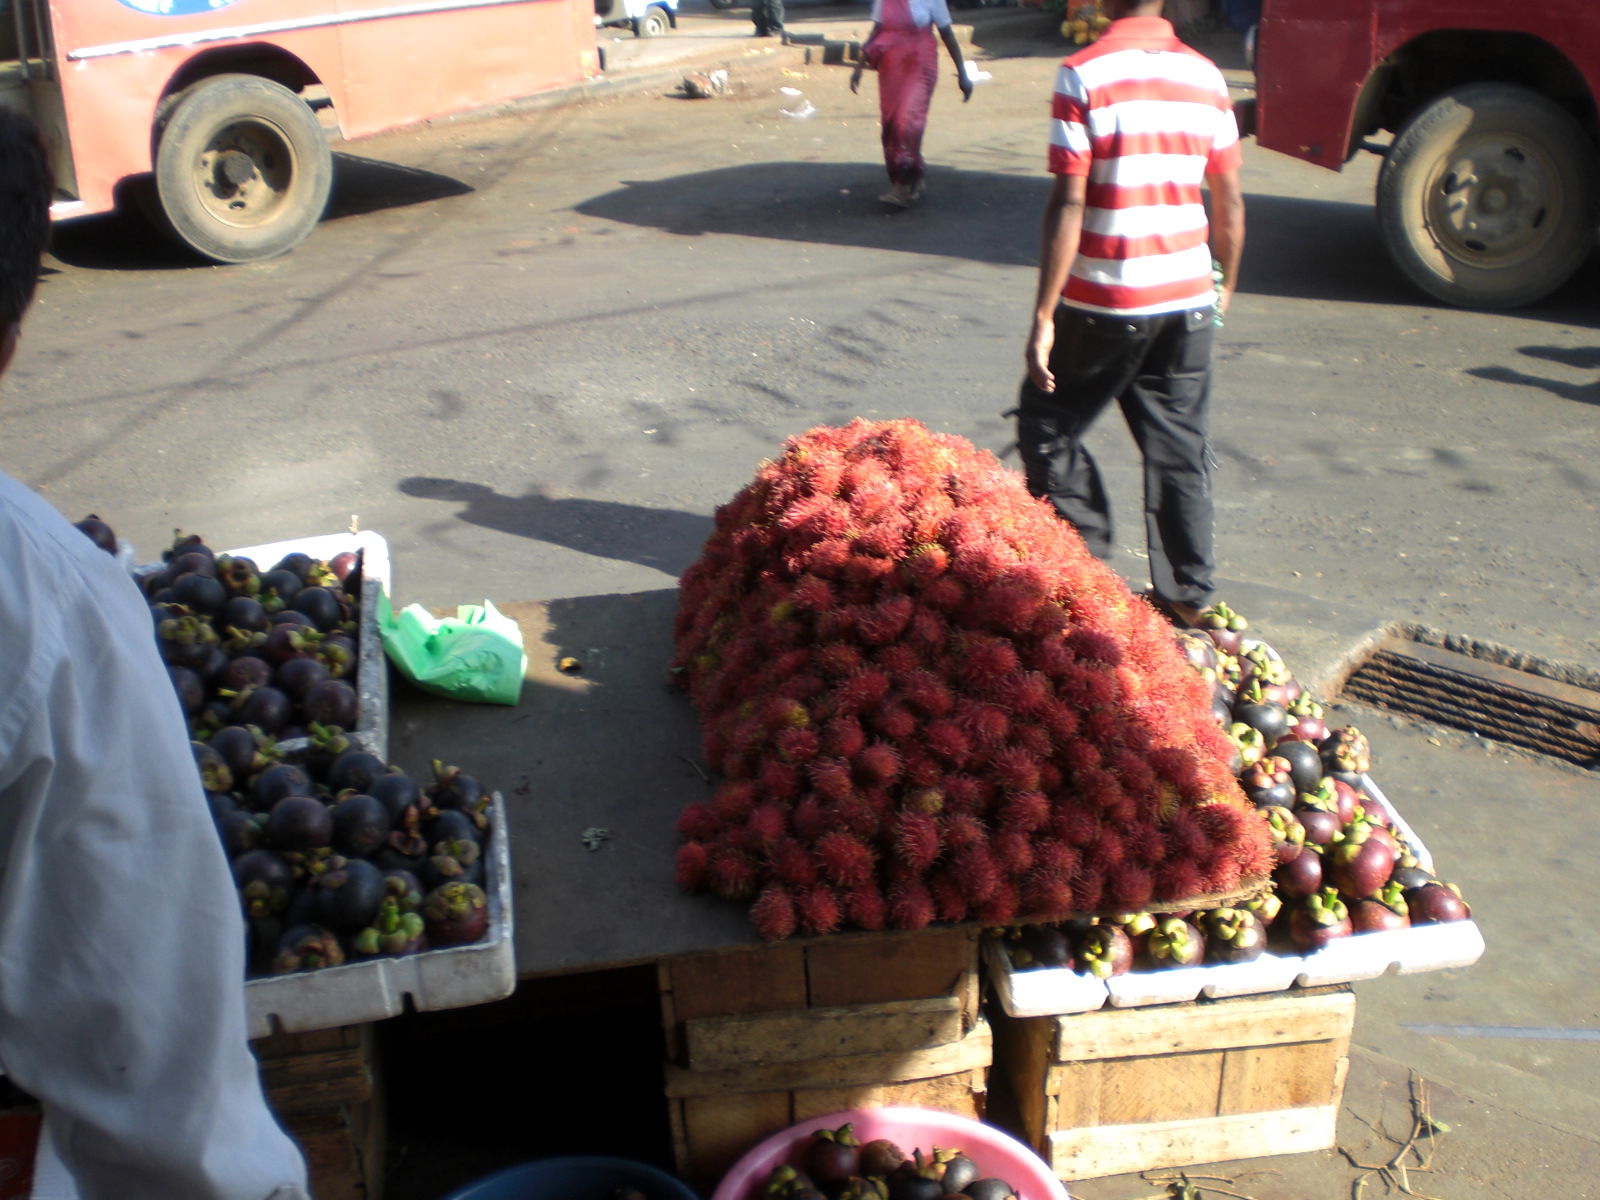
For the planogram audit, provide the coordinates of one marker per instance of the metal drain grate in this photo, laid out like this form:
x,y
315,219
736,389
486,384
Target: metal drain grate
x,y
1493,701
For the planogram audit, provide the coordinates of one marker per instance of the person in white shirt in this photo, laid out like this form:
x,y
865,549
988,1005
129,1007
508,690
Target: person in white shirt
x,y
121,944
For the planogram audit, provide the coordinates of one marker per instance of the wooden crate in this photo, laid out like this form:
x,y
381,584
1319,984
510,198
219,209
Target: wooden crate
x,y
762,1037
323,1087
1120,1090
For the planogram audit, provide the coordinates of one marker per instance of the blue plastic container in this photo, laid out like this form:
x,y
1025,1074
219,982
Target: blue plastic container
x,y
574,1179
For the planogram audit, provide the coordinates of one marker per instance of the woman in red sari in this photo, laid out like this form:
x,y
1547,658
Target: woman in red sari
x,y
902,50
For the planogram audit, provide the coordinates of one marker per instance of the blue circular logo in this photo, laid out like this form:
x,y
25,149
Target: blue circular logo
x,y
177,8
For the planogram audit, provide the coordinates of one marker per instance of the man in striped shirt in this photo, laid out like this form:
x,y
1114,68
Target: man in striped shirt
x,y
1127,302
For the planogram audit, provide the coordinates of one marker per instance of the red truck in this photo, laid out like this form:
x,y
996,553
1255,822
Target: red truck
x,y
1489,191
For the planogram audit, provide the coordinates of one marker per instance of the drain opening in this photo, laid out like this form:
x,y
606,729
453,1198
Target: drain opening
x,y
1464,692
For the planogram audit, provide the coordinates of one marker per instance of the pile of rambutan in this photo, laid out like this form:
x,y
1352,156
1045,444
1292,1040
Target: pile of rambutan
x,y
926,701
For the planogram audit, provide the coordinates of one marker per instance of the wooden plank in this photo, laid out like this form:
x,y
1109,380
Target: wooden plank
x,y
718,1129
1170,1087
1022,1060
1297,1075
870,970
721,1043
749,980
313,1041
317,1081
962,1094
1077,1154
1072,1094
333,1158
972,1052
1293,1016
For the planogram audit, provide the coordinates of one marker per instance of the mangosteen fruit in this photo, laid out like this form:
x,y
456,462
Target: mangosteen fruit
x,y
1305,764
917,1178
239,574
1224,627
346,896
306,947
1269,782
189,688
1104,951
265,881
1358,867
454,861
277,781
1346,753
454,788
299,823
337,652
1265,906
332,702
1252,746
1287,833
959,1170
202,594
215,775
360,824
244,673
1386,910
881,1157
455,914
1377,810
1266,717
1049,946
397,790
404,888
286,640
1307,720
98,532
321,605
243,748
344,565
1321,826
1197,649
355,770
1301,875
265,706
297,676
296,562
278,588
1233,935
1175,942
1318,919
990,1189
238,829
1436,902
1347,799
1410,875
831,1156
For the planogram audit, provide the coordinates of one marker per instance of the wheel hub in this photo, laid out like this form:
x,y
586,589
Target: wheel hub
x,y
1493,199
245,173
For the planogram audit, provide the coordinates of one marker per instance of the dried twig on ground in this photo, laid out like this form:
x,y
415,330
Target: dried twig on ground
x,y
1419,1143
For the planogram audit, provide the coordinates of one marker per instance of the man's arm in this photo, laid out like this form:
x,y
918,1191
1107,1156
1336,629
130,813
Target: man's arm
x,y
1227,228
1063,224
947,34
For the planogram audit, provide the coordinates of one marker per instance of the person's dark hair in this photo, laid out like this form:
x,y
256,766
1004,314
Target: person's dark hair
x,y
25,189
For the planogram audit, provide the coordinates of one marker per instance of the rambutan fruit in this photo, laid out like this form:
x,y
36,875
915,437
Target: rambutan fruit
x,y
861,691
949,897
1034,741
1186,837
863,813
768,823
1053,855
1014,769
983,660
797,745
865,907
887,536
817,909
986,724
778,779
894,720
910,906
697,822
1220,875
980,564
946,738
827,558
1175,765
811,819
898,661
791,863
731,873
830,777
843,737
886,620
1178,879
734,800
921,769
1029,692
1088,889
780,712
844,859
1146,843
1073,824
1051,778
811,594
967,793
1046,892
927,800
1129,886
944,594
1095,646
839,659
959,830
1013,850
867,570
915,839
1079,756
1061,719
773,913
1107,850
928,629
1010,605
925,563
1001,908
1103,726
1024,811
1123,810
1134,773
877,763
802,686
975,871
691,866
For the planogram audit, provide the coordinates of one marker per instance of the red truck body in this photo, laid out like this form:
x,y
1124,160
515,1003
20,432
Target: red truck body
x,y
1471,90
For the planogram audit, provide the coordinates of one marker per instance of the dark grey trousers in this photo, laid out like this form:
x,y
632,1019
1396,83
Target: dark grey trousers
x,y
1158,370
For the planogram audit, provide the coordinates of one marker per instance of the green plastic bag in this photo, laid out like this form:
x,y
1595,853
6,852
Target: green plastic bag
x,y
475,655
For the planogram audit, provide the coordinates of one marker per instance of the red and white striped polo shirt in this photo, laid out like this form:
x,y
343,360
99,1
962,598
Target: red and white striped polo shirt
x,y
1146,119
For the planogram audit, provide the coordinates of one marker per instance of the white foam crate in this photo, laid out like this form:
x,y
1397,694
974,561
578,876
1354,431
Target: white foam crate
x,y
375,988
1059,991
371,679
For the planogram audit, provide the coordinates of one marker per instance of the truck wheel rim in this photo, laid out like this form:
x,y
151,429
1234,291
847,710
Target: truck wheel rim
x,y
244,175
1494,201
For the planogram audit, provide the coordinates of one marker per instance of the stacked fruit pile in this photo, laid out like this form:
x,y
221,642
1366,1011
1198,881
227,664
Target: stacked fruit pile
x,y
337,856
1343,862
834,1165
928,702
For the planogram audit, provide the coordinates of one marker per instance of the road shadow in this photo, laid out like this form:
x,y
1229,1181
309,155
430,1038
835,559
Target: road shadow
x,y
131,238
665,539
1569,357
1331,250
968,214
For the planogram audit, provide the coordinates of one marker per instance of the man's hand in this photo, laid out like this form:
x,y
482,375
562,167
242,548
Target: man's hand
x,y
1041,339
855,79
966,87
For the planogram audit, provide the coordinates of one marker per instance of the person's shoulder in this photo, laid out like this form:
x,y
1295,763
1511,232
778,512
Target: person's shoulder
x,y
48,560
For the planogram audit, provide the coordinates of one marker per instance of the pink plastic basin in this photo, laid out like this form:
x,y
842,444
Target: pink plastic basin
x,y
997,1153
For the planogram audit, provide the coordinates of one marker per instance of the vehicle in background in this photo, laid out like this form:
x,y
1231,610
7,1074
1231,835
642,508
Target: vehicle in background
x,y
227,104
1489,192
647,18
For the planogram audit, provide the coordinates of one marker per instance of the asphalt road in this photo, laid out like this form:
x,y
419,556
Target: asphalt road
x,y
537,350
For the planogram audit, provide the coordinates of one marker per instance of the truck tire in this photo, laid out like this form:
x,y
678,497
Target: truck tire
x,y
724,5
1487,197
243,169
653,23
